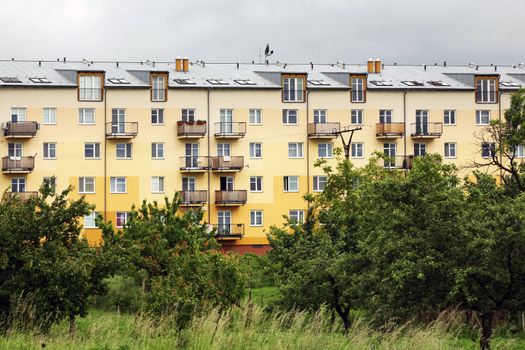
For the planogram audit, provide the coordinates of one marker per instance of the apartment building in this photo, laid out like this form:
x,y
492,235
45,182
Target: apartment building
x,y
238,140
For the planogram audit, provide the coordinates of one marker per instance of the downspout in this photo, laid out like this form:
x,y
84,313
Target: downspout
x,y
208,152
307,147
405,123
105,153
500,151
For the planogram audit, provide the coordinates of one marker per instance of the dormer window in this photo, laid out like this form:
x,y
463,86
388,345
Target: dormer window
x,y
159,88
486,89
358,88
90,86
293,88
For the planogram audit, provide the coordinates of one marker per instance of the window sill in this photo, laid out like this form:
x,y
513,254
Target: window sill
x,y
124,158
118,192
86,192
44,158
49,123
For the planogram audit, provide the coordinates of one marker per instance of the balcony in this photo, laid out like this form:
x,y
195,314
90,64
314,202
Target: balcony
x,y
23,196
398,162
323,130
390,130
228,231
230,130
191,130
194,164
190,198
124,130
233,197
18,165
227,163
426,130
20,130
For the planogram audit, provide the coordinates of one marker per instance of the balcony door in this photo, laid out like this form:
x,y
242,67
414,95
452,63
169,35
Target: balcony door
x,y
118,121
224,222
389,149
188,184
226,183
18,115
226,118
421,122
385,116
192,155
14,150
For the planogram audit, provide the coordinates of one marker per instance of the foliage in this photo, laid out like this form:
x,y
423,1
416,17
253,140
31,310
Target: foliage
x,y
44,262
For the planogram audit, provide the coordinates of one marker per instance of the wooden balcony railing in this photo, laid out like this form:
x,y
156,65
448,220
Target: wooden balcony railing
x,y
227,163
233,197
390,130
122,130
193,197
20,129
228,231
23,196
191,129
323,130
18,165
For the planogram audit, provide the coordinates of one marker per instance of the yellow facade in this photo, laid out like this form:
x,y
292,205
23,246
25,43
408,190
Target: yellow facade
x,y
70,138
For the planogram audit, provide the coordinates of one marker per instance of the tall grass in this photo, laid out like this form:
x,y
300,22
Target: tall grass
x,y
249,327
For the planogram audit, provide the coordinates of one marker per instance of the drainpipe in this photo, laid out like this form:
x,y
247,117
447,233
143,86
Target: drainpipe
x,y
105,153
405,123
208,154
307,147
499,118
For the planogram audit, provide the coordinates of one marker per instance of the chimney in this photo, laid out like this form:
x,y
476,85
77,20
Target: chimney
x,y
378,66
178,64
185,64
370,66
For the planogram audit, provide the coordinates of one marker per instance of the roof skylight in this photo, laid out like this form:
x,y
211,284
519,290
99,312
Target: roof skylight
x,y
118,81
185,81
40,80
319,83
244,82
412,83
437,83
509,84
10,80
381,83
217,82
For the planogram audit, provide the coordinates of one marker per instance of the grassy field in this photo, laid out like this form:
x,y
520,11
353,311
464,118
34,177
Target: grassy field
x,y
248,327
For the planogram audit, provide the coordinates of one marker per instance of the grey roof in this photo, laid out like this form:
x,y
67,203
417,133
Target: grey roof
x,y
257,76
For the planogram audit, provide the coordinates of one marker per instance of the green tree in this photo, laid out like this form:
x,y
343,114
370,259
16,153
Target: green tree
x,y
491,277
43,260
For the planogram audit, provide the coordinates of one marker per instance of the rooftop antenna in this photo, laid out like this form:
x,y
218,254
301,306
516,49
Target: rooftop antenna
x,y
267,52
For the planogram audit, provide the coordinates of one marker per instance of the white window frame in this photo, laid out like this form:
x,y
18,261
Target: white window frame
x,y
451,148
117,181
295,150
487,87
296,215
358,89
157,184
257,181
20,113
157,116
357,150
82,116
90,218
49,116
49,148
492,146
15,149
255,150
319,183
255,116
83,183
293,89
385,116
449,117
519,151
157,150
95,149
127,147
356,117
188,115
256,218
89,88
480,117
325,148
418,147
158,86
18,184
123,220
291,183
320,116
286,116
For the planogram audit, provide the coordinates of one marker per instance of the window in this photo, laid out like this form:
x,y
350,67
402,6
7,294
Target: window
x,y
358,85
157,116
89,87
325,150
89,220
488,149
118,184
14,150
319,116
49,116
320,183
188,183
256,184
86,116
357,150
482,117
295,150
293,89
157,150
356,116
420,149
450,149
255,150
18,184
389,150
18,114
121,219
188,115
486,90
291,183
385,116
50,181
296,216
449,117
256,217
123,150
255,117
223,150
91,150
50,150
158,87
157,184
290,116
86,185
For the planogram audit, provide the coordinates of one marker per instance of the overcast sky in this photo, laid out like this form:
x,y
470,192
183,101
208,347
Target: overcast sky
x,y
402,31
